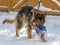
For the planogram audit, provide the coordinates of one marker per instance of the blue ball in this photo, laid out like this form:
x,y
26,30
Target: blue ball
x,y
40,30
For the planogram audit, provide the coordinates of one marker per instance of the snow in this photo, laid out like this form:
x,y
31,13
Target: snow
x,y
7,32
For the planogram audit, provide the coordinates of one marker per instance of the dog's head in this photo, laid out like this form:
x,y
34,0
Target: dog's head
x,y
38,18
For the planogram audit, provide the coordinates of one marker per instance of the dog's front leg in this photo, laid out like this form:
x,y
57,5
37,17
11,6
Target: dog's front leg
x,y
29,32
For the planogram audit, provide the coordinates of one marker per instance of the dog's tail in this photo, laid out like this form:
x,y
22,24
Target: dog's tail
x,y
10,21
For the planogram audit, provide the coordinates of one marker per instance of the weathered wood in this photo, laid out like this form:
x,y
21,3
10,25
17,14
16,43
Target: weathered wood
x,y
52,13
11,5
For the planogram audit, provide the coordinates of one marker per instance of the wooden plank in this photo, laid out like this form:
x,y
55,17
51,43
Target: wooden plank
x,y
3,9
50,4
52,13
23,3
58,1
5,4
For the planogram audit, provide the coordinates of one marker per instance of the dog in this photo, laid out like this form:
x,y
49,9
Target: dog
x,y
31,17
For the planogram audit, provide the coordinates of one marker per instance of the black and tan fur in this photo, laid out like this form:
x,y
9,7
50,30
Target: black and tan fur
x,y
32,19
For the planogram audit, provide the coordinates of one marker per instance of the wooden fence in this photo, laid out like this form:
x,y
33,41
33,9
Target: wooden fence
x,y
14,5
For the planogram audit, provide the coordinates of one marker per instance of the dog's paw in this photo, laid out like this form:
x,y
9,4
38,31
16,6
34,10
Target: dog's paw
x,y
44,40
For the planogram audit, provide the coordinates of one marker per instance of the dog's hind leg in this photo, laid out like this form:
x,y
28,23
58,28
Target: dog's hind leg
x,y
18,24
29,32
18,28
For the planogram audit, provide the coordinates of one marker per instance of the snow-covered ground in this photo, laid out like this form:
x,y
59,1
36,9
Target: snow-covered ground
x,y
7,32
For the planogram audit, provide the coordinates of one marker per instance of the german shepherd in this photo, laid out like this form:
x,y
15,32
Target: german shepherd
x,y
29,16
